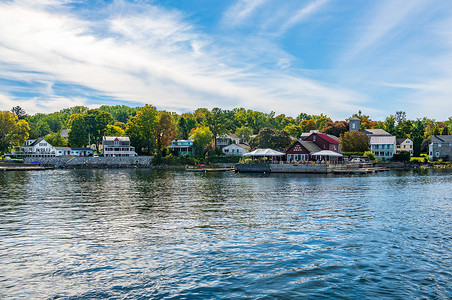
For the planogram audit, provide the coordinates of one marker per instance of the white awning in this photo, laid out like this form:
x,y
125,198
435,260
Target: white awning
x,y
264,152
327,153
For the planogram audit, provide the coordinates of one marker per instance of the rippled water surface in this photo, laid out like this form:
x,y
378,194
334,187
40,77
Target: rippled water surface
x,y
132,234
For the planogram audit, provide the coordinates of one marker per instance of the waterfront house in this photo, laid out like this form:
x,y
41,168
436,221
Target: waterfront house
x,y
114,146
301,151
35,148
236,149
180,147
440,147
73,151
226,139
324,141
381,143
383,147
404,144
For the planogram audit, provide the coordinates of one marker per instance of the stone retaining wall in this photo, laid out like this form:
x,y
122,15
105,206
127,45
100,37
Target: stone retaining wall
x,y
258,168
92,162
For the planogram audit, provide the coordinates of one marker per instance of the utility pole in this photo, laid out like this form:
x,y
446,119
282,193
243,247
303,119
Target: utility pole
x,y
89,140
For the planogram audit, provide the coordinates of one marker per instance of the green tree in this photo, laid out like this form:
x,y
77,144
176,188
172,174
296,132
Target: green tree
x,y
271,138
336,128
217,122
120,113
19,111
13,132
354,141
78,134
96,122
165,130
56,140
141,129
113,130
417,134
293,130
202,138
244,133
181,129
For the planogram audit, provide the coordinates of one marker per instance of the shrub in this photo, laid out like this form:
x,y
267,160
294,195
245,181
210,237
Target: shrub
x,y
370,155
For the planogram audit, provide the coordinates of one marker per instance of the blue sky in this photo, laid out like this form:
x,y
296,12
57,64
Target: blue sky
x,y
315,56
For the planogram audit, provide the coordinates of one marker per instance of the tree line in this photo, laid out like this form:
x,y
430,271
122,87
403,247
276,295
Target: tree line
x,y
151,130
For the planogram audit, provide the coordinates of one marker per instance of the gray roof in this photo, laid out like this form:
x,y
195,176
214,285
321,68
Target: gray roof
x,y
441,139
382,140
400,141
375,132
310,146
63,148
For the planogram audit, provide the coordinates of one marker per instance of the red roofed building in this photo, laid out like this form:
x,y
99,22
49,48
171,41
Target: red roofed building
x,y
324,141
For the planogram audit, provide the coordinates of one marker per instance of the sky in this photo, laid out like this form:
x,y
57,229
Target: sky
x,y
334,57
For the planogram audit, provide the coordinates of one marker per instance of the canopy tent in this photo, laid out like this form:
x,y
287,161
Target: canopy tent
x,y
328,156
327,153
264,152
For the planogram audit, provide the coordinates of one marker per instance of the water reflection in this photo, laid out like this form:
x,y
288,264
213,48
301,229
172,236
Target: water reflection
x,y
159,234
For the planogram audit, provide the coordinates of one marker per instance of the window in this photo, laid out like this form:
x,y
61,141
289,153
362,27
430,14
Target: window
x,y
353,126
314,137
437,154
116,143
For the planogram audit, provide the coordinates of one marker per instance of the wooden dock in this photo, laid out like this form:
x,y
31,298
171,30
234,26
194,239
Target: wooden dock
x,y
209,170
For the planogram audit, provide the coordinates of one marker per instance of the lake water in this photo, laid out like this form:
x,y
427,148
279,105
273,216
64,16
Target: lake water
x,y
138,234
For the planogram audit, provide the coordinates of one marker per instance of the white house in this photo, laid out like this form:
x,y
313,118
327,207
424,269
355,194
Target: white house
x,y
404,145
227,139
236,149
73,151
37,145
117,146
383,147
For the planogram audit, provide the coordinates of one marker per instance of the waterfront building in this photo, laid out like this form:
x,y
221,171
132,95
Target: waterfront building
x,y
301,151
381,143
236,149
440,147
73,151
180,147
383,147
35,148
404,144
117,146
226,139
324,141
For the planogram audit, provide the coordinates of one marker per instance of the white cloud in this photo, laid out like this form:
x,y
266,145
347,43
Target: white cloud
x,y
240,11
302,14
151,56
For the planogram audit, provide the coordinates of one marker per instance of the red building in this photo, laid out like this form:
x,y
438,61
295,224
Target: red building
x,y
301,151
324,141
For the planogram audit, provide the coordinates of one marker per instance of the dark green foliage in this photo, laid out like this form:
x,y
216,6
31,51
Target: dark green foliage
x,y
120,113
402,156
271,138
171,160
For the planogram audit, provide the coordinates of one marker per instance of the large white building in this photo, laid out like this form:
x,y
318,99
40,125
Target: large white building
x,y
117,146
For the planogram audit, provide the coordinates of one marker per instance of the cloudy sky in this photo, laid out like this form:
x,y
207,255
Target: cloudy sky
x,y
315,56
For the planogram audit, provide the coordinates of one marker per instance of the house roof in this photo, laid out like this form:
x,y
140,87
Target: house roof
x,y
64,132
310,146
400,141
327,153
374,132
264,152
244,146
112,138
327,138
442,139
379,140
354,118
63,148
37,141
